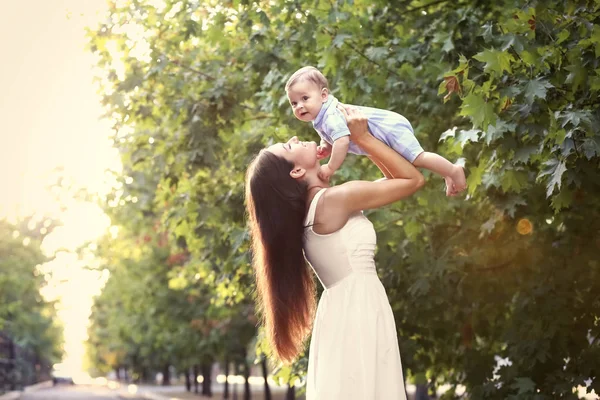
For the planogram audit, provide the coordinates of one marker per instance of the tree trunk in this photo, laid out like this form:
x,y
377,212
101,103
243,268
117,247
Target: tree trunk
x,y
263,363
432,388
235,385
247,394
291,393
12,355
421,393
206,381
226,390
195,372
118,373
188,381
405,379
166,376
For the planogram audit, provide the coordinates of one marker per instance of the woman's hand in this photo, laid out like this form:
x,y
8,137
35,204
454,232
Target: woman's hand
x,y
357,122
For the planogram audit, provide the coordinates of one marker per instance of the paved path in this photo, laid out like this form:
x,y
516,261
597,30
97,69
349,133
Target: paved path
x,y
67,392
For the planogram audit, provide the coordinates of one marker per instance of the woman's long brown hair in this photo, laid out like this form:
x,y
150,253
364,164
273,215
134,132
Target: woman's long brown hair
x,y
276,205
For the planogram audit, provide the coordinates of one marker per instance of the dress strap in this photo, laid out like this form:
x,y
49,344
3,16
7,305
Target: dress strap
x,y
310,216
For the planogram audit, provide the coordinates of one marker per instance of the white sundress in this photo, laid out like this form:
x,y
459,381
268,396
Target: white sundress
x,y
354,352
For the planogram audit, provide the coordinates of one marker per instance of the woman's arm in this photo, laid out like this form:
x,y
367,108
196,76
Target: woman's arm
x,y
381,167
404,179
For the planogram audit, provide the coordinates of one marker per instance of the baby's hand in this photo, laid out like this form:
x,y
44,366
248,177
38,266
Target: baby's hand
x,y
456,182
325,172
450,187
323,152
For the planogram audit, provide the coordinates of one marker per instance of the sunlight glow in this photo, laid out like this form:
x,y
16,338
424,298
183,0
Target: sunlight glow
x,y
51,124
132,389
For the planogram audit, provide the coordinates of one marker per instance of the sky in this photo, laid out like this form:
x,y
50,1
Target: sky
x,y
50,118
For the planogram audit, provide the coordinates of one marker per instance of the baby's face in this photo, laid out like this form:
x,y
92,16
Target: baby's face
x,y
306,99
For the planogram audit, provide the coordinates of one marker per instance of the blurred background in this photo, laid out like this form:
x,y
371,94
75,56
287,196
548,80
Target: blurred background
x,y
53,160
127,127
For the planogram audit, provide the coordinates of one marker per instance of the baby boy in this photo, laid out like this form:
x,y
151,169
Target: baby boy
x,y
308,93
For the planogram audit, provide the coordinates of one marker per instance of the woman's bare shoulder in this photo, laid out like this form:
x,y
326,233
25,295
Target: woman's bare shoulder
x,y
330,214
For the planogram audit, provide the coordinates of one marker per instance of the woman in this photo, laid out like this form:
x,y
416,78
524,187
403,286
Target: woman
x,y
354,347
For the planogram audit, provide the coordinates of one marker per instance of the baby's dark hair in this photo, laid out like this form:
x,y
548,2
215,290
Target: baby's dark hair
x,y
310,74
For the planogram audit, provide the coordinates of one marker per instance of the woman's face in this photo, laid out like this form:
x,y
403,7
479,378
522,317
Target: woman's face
x,y
301,154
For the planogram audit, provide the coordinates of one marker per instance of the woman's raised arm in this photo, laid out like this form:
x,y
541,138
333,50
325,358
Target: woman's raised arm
x,y
403,180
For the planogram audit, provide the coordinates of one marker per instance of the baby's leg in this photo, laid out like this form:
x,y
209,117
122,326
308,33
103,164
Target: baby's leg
x,y
454,174
400,136
435,163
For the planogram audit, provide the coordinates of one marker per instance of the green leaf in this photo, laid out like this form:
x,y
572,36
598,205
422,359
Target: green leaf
x,y
487,32
488,226
517,42
449,133
562,36
514,181
595,82
377,53
339,39
531,59
567,147
523,154
323,39
555,169
497,130
448,45
510,205
490,179
536,88
593,40
413,229
496,61
577,74
178,283
472,135
475,177
419,287
524,385
574,117
562,199
480,111
591,147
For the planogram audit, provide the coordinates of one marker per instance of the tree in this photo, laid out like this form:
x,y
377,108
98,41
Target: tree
x,y
27,321
195,89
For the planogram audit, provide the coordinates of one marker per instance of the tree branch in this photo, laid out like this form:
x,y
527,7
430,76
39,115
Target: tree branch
x,y
259,117
495,267
179,64
355,48
433,3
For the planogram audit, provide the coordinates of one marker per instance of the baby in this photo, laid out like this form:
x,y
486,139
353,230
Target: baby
x,y
308,93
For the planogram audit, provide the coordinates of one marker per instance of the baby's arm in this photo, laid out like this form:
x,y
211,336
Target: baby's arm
x,y
338,131
323,150
338,154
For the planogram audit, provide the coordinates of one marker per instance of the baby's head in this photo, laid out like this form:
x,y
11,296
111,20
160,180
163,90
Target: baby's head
x,y
307,90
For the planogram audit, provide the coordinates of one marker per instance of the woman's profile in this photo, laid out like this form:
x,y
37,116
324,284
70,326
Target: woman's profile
x,y
295,216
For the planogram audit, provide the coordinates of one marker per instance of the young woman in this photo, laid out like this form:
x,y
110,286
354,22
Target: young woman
x,y
294,214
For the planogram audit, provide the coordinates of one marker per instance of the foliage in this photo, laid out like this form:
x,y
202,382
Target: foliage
x,y
25,316
510,271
